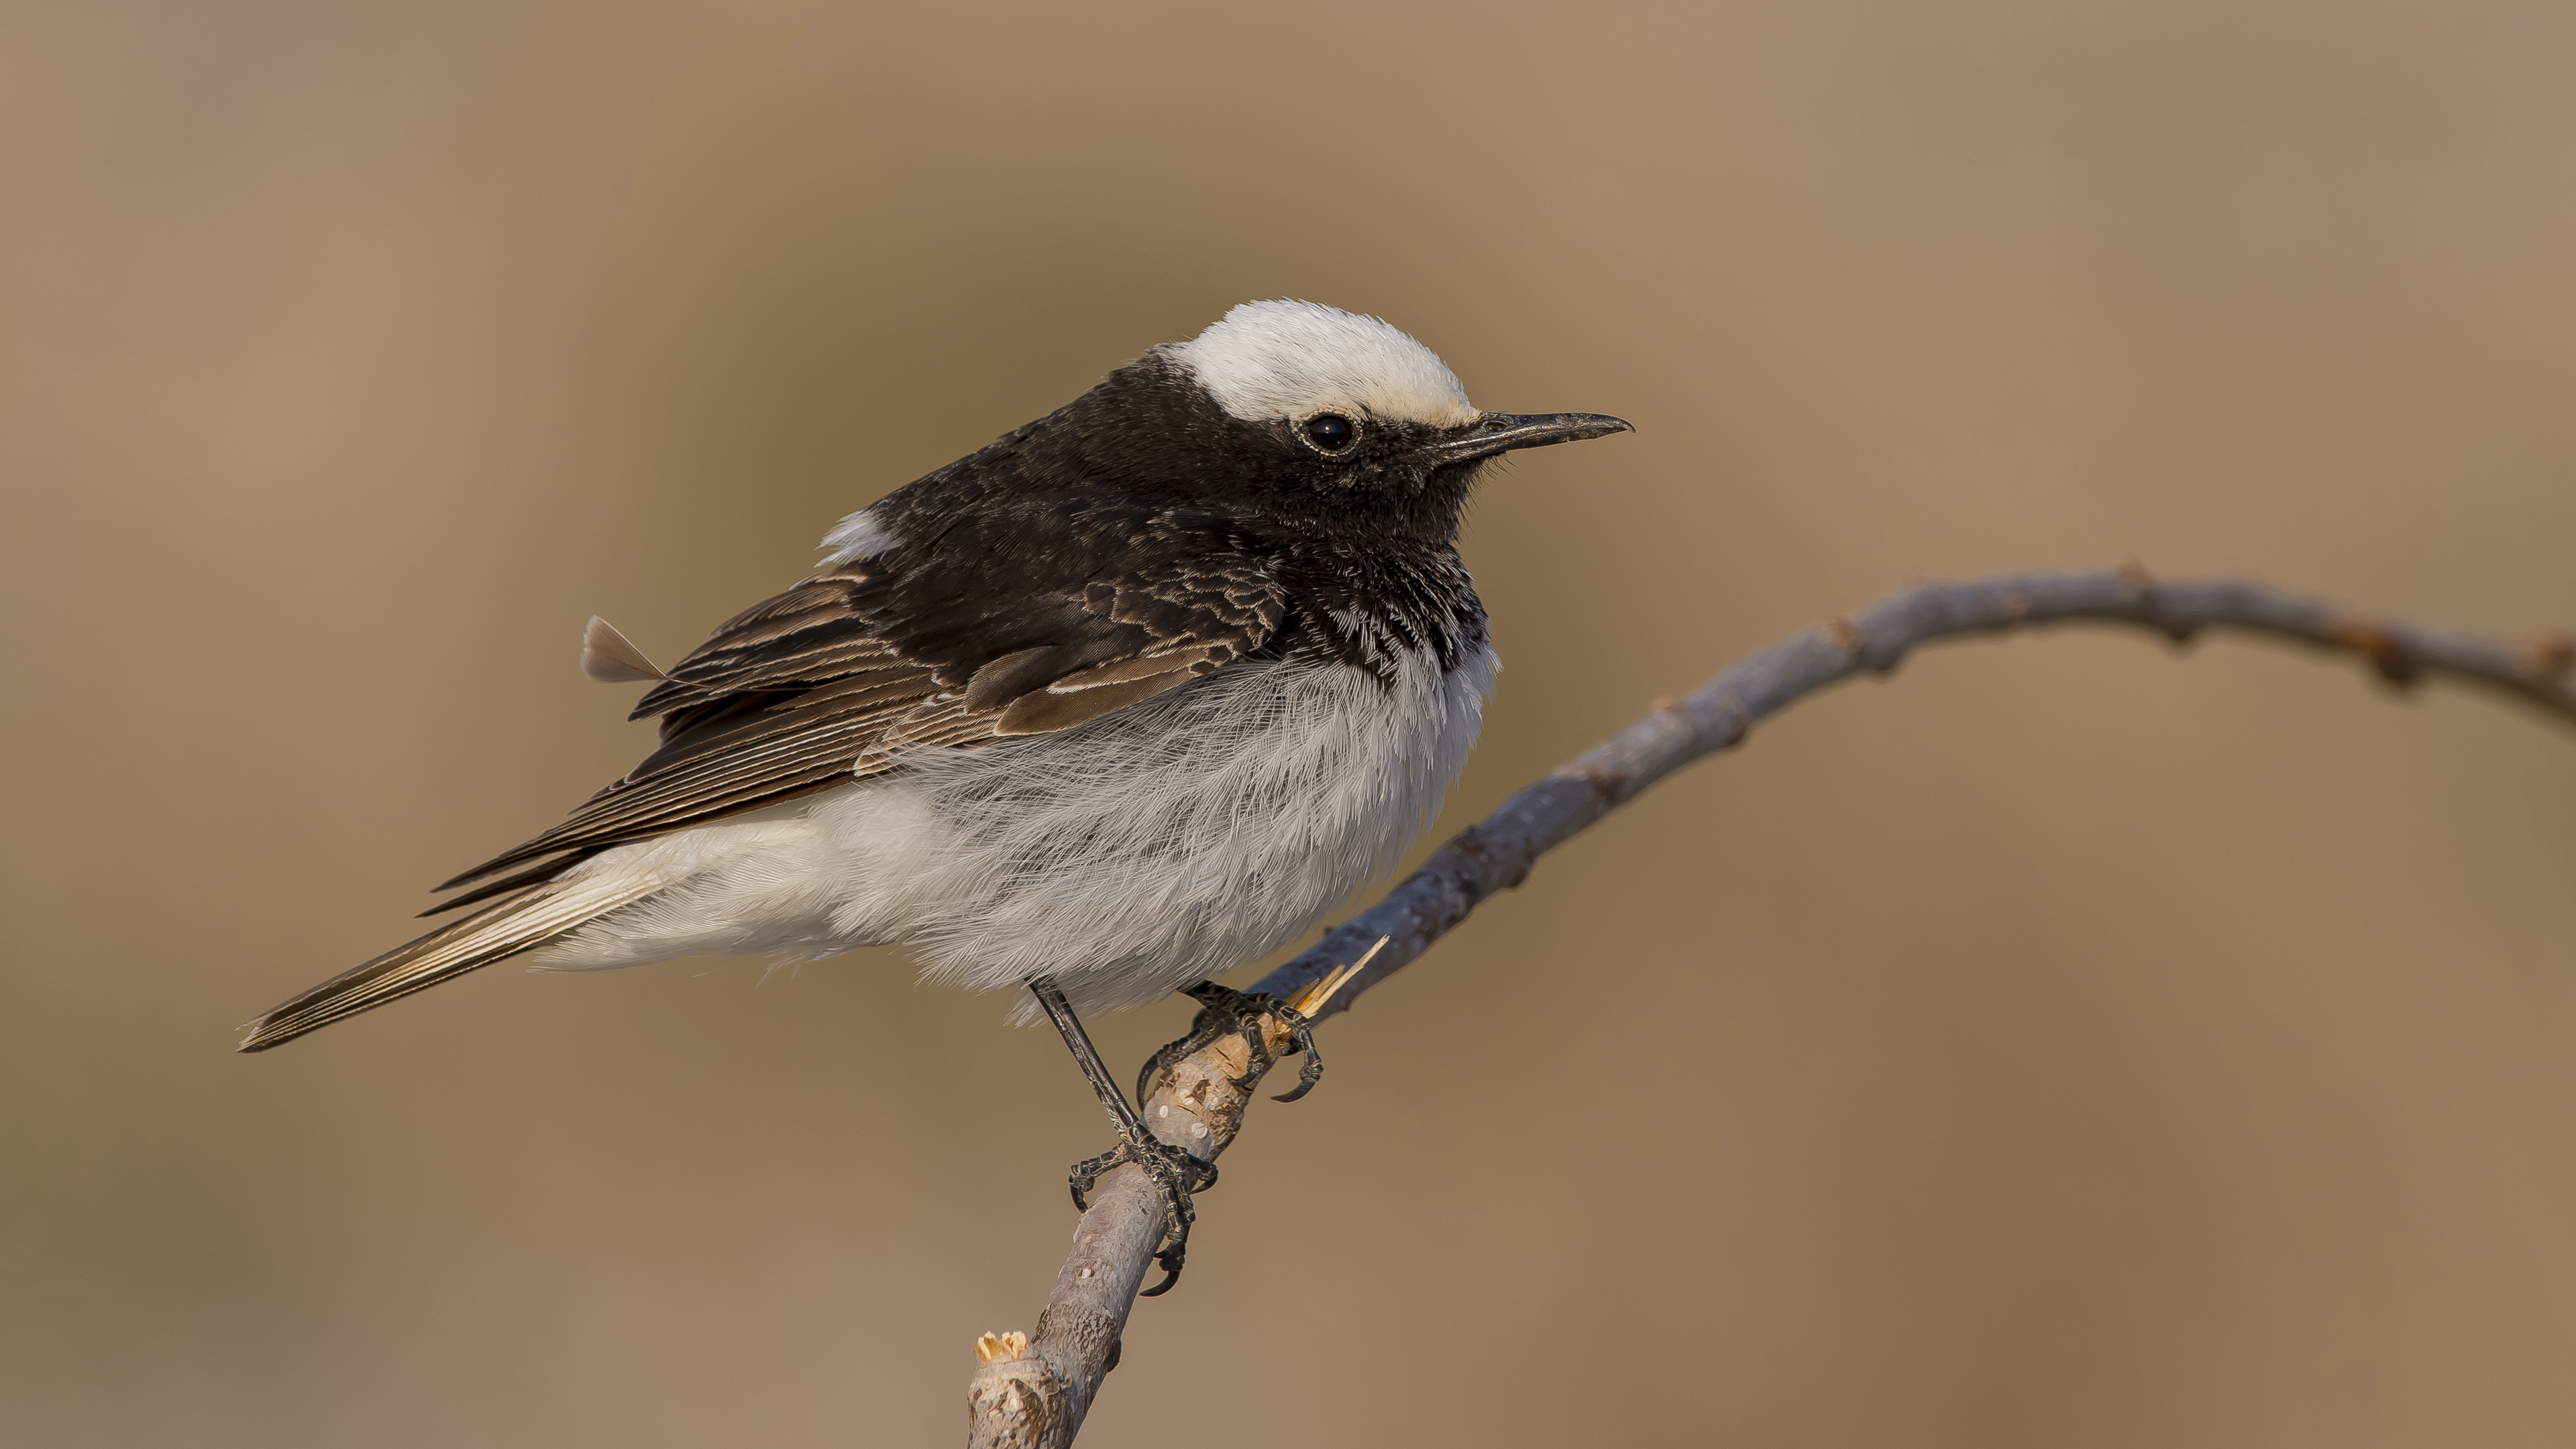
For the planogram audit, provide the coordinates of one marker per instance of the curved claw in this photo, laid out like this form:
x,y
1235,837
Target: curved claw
x,y
1309,1072
1178,1214
1164,1055
1301,1039
1171,1265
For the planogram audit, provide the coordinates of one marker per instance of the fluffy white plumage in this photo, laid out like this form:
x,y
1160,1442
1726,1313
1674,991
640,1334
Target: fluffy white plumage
x,y
1286,359
1124,857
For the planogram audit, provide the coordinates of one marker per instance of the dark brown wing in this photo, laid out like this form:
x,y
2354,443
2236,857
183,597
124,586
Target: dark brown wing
x,y
848,672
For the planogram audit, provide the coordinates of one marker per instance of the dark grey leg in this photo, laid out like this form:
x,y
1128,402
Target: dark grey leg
x,y
1177,1173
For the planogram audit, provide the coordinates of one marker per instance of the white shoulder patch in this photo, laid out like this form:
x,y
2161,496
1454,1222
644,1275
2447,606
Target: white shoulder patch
x,y
857,536
1285,359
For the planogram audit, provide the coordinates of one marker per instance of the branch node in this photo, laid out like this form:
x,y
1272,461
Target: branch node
x,y
1680,709
1015,1399
1848,638
2138,591
2372,641
1735,722
2551,654
2016,606
1845,637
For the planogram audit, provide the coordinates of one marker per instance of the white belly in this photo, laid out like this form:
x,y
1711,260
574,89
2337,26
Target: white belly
x,y
1124,857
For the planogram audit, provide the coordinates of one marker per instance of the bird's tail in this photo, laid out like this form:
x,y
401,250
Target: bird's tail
x,y
544,914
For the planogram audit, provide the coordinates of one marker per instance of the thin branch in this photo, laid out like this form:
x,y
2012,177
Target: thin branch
x,y
1035,1392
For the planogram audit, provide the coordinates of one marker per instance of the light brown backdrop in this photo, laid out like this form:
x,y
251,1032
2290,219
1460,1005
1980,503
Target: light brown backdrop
x,y
2061,1043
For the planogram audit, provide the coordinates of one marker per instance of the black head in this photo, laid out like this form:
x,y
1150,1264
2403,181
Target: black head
x,y
1285,415
1338,417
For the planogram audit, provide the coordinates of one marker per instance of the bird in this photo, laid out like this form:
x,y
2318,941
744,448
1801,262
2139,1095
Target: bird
x,y
1126,698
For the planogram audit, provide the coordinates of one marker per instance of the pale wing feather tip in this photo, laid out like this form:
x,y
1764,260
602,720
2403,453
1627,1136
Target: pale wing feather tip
x,y
611,658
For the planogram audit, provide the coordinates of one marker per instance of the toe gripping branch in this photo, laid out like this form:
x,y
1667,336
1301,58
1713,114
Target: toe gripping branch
x,y
1224,1012
1176,1174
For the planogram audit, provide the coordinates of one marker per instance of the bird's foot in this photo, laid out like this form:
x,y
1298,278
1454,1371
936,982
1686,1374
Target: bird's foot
x,y
1224,1012
1176,1176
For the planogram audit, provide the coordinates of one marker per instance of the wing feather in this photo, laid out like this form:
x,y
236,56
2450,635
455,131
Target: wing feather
x,y
851,672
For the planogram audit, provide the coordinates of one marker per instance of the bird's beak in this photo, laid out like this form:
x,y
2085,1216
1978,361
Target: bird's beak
x,y
1503,432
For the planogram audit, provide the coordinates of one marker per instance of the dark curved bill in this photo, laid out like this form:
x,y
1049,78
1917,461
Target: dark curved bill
x,y
1504,432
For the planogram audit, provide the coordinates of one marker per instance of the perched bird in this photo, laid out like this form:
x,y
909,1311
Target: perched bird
x,y
1124,699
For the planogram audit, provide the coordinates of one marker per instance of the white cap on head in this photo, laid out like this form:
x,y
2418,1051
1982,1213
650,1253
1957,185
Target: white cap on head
x,y
1267,360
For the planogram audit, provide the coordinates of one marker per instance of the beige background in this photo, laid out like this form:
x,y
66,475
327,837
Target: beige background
x,y
2062,1043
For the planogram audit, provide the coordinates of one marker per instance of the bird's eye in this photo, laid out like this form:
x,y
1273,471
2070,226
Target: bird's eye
x,y
1330,431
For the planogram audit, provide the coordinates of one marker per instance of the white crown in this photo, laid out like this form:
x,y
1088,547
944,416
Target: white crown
x,y
1284,359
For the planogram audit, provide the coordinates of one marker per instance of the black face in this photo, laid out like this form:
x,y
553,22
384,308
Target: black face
x,y
1350,467
1397,472
1150,443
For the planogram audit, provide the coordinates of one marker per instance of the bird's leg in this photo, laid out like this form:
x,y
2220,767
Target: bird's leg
x,y
1223,1012
1175,1172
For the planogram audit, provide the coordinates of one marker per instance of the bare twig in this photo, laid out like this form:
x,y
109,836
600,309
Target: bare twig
x,y
1035,1393
1032,1390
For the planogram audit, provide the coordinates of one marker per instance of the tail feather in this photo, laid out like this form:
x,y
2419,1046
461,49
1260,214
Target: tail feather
x,y
545,914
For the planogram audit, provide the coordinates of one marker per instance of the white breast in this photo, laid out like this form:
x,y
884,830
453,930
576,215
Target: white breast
x,y
1124,857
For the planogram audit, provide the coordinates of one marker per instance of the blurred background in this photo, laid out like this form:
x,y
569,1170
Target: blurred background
x,y
2063,1042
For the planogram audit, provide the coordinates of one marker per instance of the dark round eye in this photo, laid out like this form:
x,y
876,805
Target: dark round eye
x,y
1330,431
